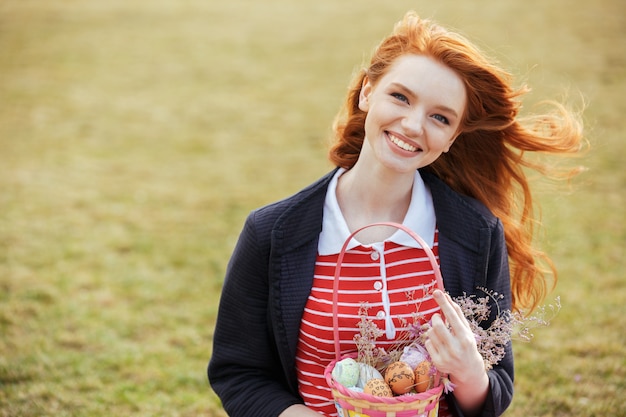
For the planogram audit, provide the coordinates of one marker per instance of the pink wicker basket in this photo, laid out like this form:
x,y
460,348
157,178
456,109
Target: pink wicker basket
x,y
351,403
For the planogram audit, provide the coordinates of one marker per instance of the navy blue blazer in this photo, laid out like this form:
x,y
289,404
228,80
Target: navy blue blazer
x,y
270,274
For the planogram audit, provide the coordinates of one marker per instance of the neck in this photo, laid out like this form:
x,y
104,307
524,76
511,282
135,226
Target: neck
x,y
367,196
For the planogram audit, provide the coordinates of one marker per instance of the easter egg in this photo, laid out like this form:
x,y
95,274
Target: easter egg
x,y
413,355
366,373
346,372
400,377
422,376
377,387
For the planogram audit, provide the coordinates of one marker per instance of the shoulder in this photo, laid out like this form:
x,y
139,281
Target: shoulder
x,y
462,219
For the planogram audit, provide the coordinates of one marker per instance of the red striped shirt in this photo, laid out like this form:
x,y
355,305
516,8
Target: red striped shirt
x,y
402,274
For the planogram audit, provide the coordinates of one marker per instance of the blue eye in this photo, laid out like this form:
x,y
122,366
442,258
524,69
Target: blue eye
x,y
400,97
442,119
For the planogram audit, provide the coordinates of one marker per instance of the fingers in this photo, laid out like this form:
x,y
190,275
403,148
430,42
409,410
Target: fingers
x,y
438,328
450,340
439,335
439,342
451,311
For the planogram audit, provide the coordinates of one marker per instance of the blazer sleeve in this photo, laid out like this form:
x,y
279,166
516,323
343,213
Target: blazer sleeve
x,y
501,376
244,370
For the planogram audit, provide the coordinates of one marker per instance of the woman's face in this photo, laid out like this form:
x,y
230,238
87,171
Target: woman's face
x,y
413,113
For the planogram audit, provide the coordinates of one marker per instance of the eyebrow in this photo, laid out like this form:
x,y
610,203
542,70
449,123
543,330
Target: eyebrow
x,y
408,91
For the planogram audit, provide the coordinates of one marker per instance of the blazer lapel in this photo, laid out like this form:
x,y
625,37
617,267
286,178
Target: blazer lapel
x,y
465,228
292,265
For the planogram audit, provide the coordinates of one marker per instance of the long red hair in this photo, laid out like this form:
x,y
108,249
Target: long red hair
x,y
488,160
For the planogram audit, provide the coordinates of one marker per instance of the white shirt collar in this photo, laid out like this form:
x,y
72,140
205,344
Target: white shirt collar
x,y
420,218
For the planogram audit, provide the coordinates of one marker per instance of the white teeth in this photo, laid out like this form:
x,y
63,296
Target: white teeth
x,y
402,144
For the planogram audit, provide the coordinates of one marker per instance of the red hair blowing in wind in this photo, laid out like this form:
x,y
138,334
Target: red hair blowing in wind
x,y
488,160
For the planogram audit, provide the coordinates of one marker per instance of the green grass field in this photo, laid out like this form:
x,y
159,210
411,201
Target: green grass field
x,y
135,136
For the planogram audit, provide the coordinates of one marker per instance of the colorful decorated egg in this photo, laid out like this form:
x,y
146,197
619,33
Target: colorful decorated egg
x,y
366,373
377,387
423,378
414,355
346,372
400,377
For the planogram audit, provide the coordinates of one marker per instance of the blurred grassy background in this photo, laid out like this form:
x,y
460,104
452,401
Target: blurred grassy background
x,y
136,135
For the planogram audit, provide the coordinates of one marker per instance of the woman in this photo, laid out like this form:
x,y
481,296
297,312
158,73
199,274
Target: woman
x,y
429,137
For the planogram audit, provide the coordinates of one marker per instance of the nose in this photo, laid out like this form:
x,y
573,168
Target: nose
x,y
413,123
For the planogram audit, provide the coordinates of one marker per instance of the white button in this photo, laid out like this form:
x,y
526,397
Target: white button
x,y
374,255
380,315
378,285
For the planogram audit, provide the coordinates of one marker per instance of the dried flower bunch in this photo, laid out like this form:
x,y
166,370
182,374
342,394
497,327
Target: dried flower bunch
x,y
505,327
491,341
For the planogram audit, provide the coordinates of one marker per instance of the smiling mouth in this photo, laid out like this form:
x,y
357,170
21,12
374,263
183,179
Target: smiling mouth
x,y
402,144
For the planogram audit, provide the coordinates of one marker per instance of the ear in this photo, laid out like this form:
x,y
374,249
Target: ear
x,y
366,90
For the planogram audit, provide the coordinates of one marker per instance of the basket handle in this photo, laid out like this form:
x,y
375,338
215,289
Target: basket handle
x,y
411,233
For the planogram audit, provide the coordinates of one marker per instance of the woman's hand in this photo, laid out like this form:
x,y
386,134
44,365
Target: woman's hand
x,y
299,410
452,348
